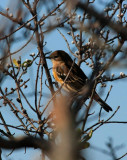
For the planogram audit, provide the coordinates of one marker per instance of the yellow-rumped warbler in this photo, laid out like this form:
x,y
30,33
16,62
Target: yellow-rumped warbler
x,y
76,79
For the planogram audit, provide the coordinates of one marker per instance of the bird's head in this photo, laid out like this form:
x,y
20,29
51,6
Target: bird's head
x,y
59,55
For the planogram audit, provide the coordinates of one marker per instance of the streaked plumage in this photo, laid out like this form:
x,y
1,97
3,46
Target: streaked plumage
x,y
76,79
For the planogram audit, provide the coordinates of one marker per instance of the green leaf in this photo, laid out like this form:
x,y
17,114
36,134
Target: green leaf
x,y
27,63
84,145
88,136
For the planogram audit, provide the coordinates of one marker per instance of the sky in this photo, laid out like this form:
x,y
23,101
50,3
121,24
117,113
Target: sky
x,y
118,97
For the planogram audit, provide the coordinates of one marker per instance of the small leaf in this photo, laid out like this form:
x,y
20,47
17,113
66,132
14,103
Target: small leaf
x,y
27,63
90,133
88,136
15,62
84,145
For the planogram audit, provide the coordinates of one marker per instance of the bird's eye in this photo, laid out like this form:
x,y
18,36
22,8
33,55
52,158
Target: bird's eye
x,y
55,57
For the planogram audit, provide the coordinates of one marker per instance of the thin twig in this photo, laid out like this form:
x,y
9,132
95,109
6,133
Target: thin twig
x,y
18,28
122,156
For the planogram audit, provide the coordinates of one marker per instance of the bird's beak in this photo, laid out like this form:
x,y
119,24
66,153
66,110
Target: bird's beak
x,y
48,57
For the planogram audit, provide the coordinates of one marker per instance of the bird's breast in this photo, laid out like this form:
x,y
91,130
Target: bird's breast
x,y
56,76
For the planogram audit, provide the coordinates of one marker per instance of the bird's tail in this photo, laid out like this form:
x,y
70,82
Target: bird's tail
x,y
103,104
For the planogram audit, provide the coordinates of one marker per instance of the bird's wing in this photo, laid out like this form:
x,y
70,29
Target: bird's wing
x,y
76,78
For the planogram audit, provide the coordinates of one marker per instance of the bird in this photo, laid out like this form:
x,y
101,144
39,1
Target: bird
x,y
75,80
